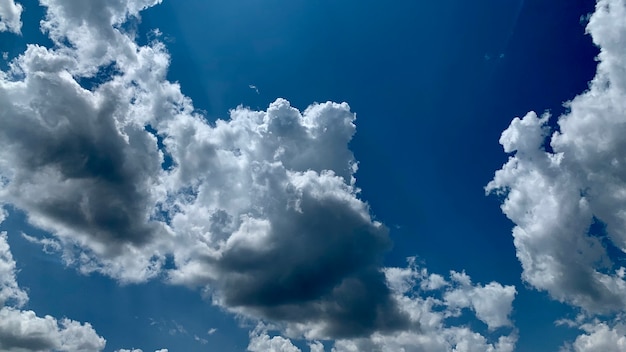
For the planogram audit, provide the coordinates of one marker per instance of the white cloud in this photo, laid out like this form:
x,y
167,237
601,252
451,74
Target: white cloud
x,y
10,13
599,337
492,303
260,341
10,292
24,331
429,329
316,346
554,197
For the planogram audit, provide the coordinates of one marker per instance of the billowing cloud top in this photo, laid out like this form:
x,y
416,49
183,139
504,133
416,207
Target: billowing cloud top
x,y
261,208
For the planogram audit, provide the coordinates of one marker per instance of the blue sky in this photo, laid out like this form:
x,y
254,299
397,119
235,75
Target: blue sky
x,y
159,196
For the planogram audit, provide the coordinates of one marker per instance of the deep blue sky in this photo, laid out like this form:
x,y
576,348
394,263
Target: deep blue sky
x,y
433,85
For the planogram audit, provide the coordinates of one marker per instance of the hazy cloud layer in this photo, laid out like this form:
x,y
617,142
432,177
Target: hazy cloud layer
x,y
10,16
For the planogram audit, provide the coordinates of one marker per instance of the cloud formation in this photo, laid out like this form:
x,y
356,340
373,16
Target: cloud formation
x,y
261,209
599,337
565,190
567,203
428,311
24,331
10,16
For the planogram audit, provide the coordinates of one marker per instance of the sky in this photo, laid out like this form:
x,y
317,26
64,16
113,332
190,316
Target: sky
x,y
272,175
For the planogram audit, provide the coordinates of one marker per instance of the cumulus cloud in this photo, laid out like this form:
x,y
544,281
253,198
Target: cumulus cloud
x,y
599,337
428,310
24,331
261,209
286,237
10,16
264,203
567,201
492,303
260,341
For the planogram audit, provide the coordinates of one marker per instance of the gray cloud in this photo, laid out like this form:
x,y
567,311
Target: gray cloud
x,y
429,331
70,166
285,244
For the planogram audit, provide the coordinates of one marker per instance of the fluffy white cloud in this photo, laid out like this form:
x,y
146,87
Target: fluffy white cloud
x,y
599,337
260,341
24,331
278,228
492,303
10,13
559,198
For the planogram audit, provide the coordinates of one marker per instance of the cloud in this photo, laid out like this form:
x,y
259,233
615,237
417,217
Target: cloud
x,y
567,200
24,331
261,209
260,341
430,330
10,13
599,337
72,169
10,292
286,236
316,346
492,303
